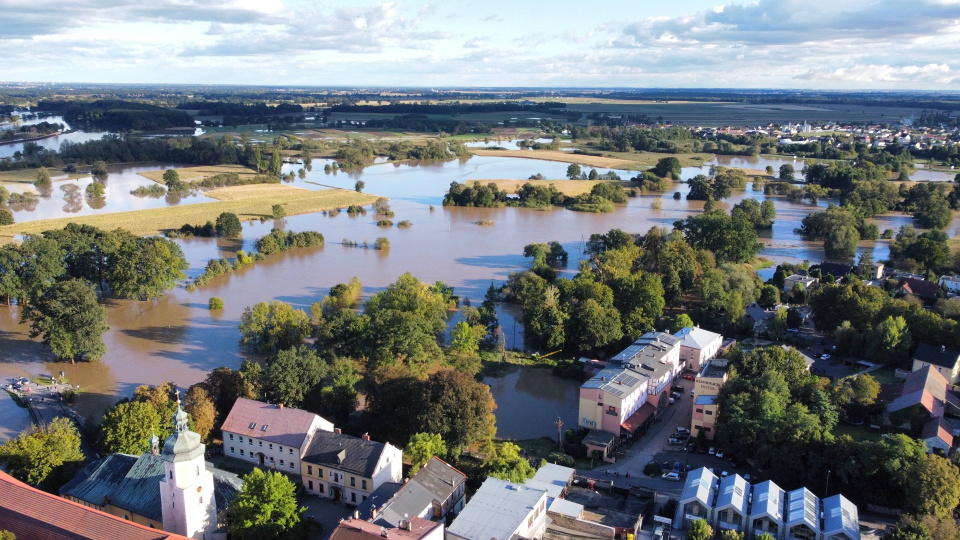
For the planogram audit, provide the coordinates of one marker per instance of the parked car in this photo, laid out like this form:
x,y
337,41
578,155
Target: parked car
x,y
658,532
719,453
677,388
675,476
674,440
689,378
712,451
681,429
693,393
824,356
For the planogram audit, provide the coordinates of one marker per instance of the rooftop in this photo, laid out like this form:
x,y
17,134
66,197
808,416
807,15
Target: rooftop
x,y
132,483
706,400
496,510
30,513
919,287
274,423
357,529
803,507
435,481
618,381
840,516
651,346
732,493
768,500
926,387
937,356
714,370
699,486
696,337
345,452
552,478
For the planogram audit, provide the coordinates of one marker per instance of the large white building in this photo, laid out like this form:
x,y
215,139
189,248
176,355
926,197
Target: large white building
x,y
697,346
272,436
502,510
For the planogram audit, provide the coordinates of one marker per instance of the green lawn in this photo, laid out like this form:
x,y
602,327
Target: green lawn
x,y
858,433
885,376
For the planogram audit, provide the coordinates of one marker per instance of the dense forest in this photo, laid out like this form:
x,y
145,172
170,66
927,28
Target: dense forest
x,y
117,115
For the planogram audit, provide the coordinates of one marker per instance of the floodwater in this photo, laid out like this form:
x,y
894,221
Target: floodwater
x,y
51,143
178,339
530,400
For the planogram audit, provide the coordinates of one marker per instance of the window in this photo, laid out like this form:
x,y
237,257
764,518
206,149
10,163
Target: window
x,y
171,475
353,481
705,428
281,449
250,441
291,451
319,488
231,450
241,451
310,485
309,469
125,517
319,472
710,413
241,439
699,410
231,436
271,446
281,462
291,464
261,443
271,459
363,484
353,497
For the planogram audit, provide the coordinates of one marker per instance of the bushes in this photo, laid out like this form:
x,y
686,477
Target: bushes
x,y
277,241
561,459
355,209
6,217
384,223
381,244
405,224
216,304
154,190
228,225
278,211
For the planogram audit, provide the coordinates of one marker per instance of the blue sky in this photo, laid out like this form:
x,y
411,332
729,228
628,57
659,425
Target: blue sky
x,y
829,44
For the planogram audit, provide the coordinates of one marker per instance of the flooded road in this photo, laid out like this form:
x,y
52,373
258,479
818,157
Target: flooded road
x,y
178,339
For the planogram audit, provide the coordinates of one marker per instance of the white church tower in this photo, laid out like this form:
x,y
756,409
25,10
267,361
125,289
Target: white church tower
x,y
186,491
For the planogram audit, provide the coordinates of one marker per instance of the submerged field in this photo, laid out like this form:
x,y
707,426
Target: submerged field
x,y
248,202
188,174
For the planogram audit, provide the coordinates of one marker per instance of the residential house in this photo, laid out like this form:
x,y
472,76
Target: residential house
x,y
30,513
872,272
952,283
697,346
925,392
636,383
348,468
766,511
942,359
802,515
174,489
758,316
503,510
805,282
553,479
730,508
436,490
600,441
696,501
918,287
937,433
704,416
840,519
412,529
271,436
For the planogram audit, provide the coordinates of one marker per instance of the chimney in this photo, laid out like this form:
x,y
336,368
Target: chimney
x,y
337,431
365,436
356,514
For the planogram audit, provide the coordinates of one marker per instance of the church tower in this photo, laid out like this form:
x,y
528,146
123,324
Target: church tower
x,y
186,491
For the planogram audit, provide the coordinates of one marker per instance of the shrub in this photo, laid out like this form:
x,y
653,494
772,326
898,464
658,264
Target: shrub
x,y
216,304
405,224
95,189
355,209
278,211
99,168
384,223
560,459
652,469
228,225
381,244
486,223
6,217
359,186
676,195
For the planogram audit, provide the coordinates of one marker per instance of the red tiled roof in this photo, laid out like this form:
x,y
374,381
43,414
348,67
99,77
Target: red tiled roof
x,y
357,529
918,287
33,514
638,418
285,426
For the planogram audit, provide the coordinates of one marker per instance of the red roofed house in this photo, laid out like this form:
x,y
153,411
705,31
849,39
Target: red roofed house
x,y
33,514
925,392
415,528
918,287
272,436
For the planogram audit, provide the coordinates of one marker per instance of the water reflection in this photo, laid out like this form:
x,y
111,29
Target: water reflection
x,y
529,401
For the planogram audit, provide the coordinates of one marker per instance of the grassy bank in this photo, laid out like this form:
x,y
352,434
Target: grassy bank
x,y
188,174
565,157
248,202
29,176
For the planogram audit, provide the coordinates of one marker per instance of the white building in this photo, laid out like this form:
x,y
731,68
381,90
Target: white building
x,y
952,283
348,468
186,491
804,281
272,436
502,510
697,346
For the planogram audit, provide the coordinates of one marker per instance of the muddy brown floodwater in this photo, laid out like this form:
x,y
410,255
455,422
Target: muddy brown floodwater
x,y
178,339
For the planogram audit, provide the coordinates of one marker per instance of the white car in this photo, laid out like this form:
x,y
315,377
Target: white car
x,y
719,453
824,356
671,476
712,451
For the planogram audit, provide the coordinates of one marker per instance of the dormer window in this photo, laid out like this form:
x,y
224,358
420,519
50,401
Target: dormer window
x,y
264,427
253,425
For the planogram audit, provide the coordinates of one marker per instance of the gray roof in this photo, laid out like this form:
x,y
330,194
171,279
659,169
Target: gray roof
x,y
133,483
617,381
840,516
599,437
183,444
767,501
435,481
700,486
345,452
378,498
696,337
706,400
496,510
733,494
938,356
552,478
803,507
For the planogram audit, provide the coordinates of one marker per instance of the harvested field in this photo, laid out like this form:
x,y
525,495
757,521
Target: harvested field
x,y
188,174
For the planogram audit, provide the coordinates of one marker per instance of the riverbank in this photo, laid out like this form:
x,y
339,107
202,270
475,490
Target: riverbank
x,y
248,202
564,157
29,176
570,188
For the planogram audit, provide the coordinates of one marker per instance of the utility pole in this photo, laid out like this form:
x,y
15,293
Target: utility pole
x,y
559,434
826,489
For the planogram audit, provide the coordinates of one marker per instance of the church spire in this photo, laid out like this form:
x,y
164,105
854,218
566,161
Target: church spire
x,y
180,420
154,443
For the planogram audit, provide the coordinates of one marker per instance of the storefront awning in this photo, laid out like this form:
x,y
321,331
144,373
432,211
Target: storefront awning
x,y
639,418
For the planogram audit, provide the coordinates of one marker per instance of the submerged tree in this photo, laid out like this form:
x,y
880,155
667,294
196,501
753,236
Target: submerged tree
x,y
69,320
